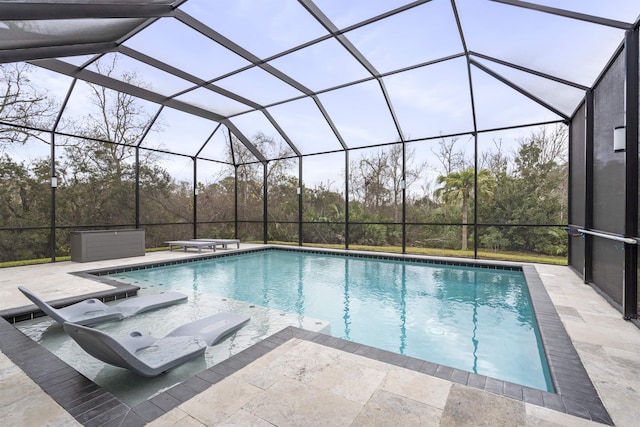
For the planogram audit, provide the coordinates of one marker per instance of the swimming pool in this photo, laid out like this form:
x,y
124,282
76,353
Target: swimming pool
x,y
471,318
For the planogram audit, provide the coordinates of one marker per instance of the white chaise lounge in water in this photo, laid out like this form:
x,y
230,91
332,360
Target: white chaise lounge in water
x,y
145,355
92,311
191,244
221,242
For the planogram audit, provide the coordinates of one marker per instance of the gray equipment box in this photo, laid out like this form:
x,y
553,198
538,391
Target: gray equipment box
x,y
106,244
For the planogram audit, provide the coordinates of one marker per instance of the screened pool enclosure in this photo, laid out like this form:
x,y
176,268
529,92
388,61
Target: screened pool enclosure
x,y
495,129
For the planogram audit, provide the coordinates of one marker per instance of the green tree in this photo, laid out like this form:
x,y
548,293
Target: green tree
x,y
323,211
24,186
457,187
531,189
535,197
24,202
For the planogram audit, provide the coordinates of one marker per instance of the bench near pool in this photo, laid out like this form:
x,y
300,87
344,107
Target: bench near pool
x,y
222,242
203,243
191,244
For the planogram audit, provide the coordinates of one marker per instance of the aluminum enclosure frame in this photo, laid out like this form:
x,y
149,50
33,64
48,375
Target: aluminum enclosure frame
x,y
144,14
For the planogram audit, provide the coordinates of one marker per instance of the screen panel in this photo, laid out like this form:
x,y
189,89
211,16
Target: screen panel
x,y
608,267
608,168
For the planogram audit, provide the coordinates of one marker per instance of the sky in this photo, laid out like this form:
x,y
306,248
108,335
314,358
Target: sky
x,y
428,101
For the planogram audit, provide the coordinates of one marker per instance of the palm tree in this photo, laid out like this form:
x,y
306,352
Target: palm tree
x,y
458,186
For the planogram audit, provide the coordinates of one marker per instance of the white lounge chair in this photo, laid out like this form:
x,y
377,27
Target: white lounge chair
x,y
92,311
145,355
221,242
191,243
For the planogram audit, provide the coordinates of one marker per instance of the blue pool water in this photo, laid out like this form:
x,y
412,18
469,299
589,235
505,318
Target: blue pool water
x,y
475,319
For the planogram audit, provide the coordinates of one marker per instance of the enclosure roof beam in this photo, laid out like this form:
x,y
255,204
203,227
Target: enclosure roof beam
x,y
35,53
366,79
328,25
347,29
149,126
463,41
282,133
383,15
21,11
254,150
208,139
329,121
238,50
186,76
519,89
219,38
529,70
139,56
108,82
568,14
120,86
117,85
346,43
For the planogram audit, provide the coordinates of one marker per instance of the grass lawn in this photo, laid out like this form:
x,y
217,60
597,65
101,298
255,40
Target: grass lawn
x,y
502,256
482,254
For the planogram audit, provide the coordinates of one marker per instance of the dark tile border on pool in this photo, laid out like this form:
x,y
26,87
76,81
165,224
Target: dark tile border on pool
x,y
91,405
574,389
96,274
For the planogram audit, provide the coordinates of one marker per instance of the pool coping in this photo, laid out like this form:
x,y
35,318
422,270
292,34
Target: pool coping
x,y
28,312
91,405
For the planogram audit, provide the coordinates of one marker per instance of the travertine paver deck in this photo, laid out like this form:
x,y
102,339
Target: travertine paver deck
x,y
304,382
23,403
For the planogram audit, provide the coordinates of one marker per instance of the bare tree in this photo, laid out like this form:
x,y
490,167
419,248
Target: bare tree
x,y
552,143
118,119
250,170
370,175
496,161
413,171
377,179
450,158
24,104
99,170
